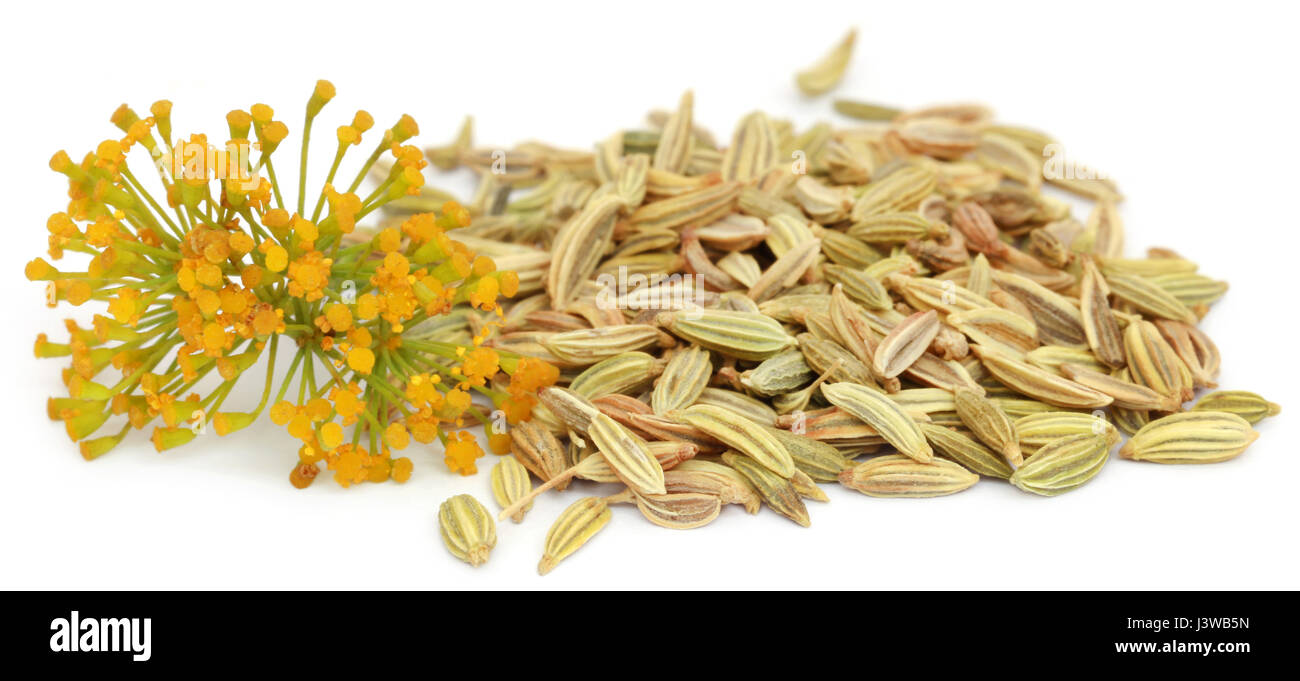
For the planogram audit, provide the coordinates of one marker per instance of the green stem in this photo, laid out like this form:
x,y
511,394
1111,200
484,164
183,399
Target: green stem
x,y
302,162
320,202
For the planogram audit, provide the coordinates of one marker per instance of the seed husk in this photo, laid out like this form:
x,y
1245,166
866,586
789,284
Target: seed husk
x,y
736,301
707,477
905,343
1016,408
789,307
673,152
806,487
753,149
585,347
1147,267
896,228
777,491
979,277
1247,405
898,476
1053,357
1148,297
538,450
829,425
901,190
1198,352
699,207
1099,325
1189,288
683,379
742,435
948,375
669,429
924,400
968,452
1063,465
1105,229
830,359
1129,421
853,328
1059,321
467,529
744,268
1191,437
1048,247
883,415
1154,364
933,294
572,409
787,269
1008,154
798,401
818,460
742,335
510,483
628,372
579,246
865,110
679,510
575,526
740,404
827,205
1091,188
1039,383
735,233
937,137
786,232
827,72
1125,394
989,423
762,205
1037,430
627,455
1007,331
859,285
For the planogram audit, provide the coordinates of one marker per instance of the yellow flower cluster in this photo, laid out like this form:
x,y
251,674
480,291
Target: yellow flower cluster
x,y
212,274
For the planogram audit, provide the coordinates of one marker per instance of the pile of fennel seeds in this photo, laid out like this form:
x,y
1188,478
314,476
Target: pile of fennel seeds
x,y
897,307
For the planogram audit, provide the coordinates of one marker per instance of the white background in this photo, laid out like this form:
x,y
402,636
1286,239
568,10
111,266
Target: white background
x,y
1192,108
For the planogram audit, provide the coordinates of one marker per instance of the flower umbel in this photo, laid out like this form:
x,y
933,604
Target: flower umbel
x,y
217,269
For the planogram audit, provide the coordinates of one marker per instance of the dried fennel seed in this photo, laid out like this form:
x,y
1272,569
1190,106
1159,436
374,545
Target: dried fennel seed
x,y
577,524
904,309
467,529
510,483
1063,465
826,73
